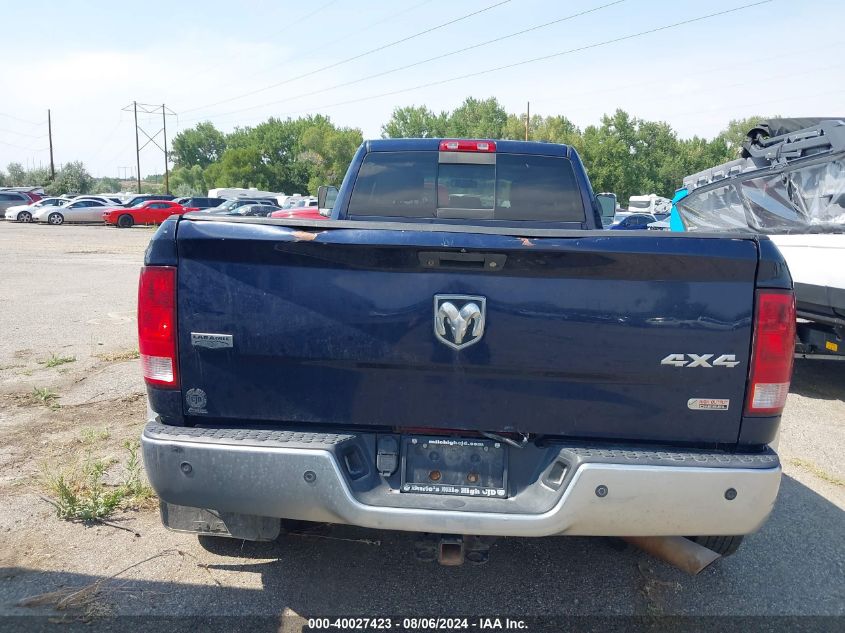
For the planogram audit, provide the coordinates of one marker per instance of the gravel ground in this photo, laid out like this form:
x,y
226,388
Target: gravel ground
x,y
70,291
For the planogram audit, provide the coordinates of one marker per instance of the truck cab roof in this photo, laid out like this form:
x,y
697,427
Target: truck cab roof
x,y
501,146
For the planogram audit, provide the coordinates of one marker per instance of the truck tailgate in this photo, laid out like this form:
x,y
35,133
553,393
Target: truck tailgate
x,y
338,326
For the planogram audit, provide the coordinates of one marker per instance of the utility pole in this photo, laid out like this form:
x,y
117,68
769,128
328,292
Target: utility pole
x,y
146,108
50,134
137,148
527,119
166,168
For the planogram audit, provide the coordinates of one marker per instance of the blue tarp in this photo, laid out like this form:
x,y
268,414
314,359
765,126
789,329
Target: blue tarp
x,y
675,223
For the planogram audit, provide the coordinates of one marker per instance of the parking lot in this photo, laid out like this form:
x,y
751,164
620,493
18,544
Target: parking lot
x,y
69,291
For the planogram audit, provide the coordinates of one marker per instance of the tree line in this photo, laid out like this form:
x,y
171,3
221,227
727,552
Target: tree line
x,y
623,154
70,178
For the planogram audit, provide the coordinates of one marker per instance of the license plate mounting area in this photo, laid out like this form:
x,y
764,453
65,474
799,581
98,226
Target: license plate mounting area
x,y
462,466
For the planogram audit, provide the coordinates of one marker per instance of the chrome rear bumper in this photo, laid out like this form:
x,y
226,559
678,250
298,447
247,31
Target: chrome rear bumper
x,y
611,491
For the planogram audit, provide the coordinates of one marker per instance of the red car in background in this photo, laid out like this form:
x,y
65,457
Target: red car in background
x,y
300,209
148,212
300,213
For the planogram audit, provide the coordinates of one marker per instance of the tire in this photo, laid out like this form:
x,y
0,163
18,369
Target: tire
x,y
724,545
55,219
24,216
125,221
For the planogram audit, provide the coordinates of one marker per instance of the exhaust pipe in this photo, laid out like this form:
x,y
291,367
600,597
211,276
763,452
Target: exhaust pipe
x,y
677,551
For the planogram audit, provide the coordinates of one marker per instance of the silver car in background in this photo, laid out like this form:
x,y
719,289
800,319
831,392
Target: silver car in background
x,y
24,212
13,199
79,210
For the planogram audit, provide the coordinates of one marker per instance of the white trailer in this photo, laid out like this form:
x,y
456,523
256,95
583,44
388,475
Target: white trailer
x,y
239,192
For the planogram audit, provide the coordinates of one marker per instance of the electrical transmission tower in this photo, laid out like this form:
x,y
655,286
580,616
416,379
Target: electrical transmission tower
x,y
146,108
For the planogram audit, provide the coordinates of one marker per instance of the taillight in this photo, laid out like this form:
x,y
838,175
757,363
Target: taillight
x,y
772,352
157,325
467,146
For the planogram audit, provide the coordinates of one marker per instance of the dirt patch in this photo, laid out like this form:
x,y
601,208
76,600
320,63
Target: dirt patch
x,y
61,437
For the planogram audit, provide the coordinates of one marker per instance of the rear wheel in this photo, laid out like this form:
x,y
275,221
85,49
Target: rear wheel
x,y
55,219
724,545
24,216
125,221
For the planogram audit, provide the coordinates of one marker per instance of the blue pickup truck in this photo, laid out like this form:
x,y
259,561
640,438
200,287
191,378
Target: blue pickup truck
x,y
460,350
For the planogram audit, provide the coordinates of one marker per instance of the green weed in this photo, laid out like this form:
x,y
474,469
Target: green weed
x,y
55,361
43,395
82,495
138,492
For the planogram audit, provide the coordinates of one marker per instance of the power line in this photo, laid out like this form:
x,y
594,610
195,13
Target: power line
x,y
310,15
791,54
107,138
26,149
534,59
387,18
766,103
36,136
20,120
421,62
759,80
350,59
297,21
353,33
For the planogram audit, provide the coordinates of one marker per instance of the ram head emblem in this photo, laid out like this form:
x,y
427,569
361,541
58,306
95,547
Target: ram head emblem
x,y
459,319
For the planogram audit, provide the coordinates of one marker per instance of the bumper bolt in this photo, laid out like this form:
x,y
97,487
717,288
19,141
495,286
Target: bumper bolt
x,y
601,491
730,494
310,476
185,467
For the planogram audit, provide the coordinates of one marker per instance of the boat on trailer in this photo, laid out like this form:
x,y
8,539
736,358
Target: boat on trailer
x,y
789,184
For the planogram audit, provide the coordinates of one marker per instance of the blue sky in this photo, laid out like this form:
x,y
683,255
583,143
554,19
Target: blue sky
x,y
86,62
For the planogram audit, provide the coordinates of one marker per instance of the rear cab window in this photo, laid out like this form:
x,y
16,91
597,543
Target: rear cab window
x,y
504,187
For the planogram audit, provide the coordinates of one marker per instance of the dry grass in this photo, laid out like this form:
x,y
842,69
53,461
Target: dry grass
x,y
810,467
120,355
85,598
92,436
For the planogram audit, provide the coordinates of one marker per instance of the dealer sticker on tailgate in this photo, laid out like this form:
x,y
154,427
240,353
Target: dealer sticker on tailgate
x,y
708,404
